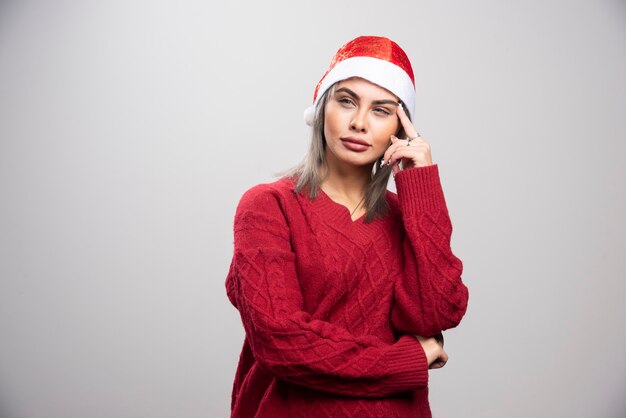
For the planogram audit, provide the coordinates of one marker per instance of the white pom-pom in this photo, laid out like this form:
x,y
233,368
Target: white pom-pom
x,y
309,115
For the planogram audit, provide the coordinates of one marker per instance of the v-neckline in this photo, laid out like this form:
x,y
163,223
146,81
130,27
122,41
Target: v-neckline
x,y
342,208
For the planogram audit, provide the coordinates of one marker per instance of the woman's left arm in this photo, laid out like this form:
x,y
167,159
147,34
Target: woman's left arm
x,y
431,296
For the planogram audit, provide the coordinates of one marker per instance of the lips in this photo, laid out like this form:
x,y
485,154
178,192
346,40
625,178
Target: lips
x,y
355,144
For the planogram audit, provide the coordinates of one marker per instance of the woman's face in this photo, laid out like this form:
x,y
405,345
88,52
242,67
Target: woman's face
x,y
360,118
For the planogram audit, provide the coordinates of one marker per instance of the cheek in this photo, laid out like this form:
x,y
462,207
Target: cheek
x,y
332,123
395,126
386,129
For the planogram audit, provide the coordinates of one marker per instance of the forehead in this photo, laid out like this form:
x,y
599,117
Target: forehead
x,y
365,88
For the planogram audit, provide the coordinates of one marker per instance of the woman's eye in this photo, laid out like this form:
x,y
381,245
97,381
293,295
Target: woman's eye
x,y
382,111
346,101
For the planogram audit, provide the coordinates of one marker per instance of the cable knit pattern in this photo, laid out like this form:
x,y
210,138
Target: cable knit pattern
x,y
329,305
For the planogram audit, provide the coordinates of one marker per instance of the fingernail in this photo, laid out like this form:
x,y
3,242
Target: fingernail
x,y
400,105
382,163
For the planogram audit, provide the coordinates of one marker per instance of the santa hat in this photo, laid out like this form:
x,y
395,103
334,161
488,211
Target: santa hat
x,y
376,59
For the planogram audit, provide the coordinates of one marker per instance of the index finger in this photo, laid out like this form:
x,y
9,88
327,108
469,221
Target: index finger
x,y
408,127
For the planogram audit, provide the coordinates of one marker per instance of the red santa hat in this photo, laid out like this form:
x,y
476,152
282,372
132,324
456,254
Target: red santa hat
x,y
376,59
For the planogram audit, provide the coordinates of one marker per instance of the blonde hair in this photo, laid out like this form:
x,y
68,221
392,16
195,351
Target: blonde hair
x,y
309,174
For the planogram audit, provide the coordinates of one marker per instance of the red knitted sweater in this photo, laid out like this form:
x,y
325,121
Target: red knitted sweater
x,y
329,305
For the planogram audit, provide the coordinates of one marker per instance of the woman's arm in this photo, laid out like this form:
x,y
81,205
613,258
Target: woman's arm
x,y
431,296
262,283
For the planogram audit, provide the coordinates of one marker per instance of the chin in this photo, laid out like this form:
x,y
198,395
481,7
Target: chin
x,y
360,162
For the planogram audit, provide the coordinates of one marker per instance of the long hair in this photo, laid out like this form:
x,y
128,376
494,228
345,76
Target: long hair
x,y
309,174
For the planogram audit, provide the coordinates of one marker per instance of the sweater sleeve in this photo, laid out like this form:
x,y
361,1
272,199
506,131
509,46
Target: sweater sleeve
x,y
430,296
263,285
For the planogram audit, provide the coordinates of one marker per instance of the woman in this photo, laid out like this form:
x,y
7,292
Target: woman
x,y
344,287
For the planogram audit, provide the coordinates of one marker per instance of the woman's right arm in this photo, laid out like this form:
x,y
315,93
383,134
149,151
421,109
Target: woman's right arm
x,y
263,285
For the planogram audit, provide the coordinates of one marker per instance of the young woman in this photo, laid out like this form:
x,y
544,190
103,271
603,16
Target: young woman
x,y
343,287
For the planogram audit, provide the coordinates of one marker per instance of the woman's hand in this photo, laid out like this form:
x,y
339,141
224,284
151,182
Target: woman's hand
x,y
433,348
412,152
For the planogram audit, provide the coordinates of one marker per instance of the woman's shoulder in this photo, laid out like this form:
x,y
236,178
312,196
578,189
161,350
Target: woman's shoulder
x,y
282,186
264,194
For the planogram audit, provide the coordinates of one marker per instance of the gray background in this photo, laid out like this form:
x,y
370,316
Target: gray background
x,y
129,130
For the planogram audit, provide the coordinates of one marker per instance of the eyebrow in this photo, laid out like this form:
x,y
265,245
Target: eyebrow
x,y
356,97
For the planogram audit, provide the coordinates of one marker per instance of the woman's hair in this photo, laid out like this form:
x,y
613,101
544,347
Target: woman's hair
x,y
309,174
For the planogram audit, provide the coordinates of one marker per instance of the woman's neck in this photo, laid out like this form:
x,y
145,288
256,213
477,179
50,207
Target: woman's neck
x,y
349,185
344,183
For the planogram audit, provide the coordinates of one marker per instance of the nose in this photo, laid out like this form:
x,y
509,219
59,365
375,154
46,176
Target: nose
x,y
359,121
